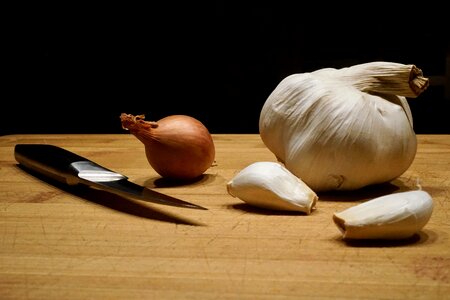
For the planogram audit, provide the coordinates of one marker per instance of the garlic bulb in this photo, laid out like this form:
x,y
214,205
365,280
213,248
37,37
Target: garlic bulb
x,y
343,129
270,185
393,216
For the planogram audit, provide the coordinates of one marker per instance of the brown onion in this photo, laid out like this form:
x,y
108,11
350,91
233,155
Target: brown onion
x,y
177,146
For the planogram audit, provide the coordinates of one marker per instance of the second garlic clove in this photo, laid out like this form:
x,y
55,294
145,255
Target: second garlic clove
x,y
270,185
394,216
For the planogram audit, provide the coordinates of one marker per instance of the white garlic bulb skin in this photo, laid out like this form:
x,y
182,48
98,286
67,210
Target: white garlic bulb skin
x,y
270,185
334,136
394,216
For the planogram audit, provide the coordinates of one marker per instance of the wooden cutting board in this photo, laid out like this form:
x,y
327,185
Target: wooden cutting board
x,y
77,243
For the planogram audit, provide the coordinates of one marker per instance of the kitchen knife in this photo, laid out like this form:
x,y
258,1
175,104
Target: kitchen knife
x,y
72,169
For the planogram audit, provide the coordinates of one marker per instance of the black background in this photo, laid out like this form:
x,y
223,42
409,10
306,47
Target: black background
x,y
74,68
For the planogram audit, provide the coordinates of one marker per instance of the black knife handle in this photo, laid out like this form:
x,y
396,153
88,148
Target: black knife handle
x,y
49,160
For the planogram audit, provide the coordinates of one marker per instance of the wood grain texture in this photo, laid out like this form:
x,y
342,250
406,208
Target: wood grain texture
x,y
77,243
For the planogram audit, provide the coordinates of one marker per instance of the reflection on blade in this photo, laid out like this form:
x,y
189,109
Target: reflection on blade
x,y
129,189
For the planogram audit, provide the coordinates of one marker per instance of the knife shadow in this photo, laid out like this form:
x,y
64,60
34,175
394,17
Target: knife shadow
x,y
113,201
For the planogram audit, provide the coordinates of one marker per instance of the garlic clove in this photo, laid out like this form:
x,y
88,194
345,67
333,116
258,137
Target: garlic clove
x,y
394,216
270,185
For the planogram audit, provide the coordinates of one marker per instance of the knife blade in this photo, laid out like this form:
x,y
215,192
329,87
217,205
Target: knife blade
x,y
73,169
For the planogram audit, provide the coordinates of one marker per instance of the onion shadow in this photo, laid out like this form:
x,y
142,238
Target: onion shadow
x,y
162,182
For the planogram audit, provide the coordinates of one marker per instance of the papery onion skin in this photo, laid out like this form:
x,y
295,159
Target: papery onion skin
x,y
177,146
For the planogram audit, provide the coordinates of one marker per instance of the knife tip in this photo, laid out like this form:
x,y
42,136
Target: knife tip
x,y
196,206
